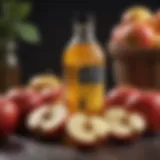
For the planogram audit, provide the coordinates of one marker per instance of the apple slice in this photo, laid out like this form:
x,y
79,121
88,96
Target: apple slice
x,y
48,121
42,81
86,132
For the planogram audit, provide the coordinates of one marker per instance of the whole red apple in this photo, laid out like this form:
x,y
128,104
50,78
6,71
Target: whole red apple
x,y
118,96
9,116
19,95
119,32
148,104
50,95
118,36
32,102
141,36
26,99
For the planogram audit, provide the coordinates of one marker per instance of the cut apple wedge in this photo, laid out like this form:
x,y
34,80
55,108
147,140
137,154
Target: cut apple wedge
x,y
48,121
84,131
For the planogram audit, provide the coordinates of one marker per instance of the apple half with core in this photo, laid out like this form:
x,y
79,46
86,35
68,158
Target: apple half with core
x,y
125,126
86,131
48,121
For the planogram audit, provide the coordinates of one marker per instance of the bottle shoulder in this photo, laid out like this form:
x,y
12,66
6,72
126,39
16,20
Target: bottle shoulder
x,y
83,53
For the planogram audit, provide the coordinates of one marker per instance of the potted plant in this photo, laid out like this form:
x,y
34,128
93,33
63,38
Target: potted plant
x,y
14,25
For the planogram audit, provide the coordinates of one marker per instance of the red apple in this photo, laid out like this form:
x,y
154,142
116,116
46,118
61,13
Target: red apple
x,y
118,36
26,99
19,95
118,96
119,32
9,116
148,104
155,22
50,95
141,35
34,101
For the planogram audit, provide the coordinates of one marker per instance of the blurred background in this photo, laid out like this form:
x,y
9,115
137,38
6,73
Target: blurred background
x,y
54,20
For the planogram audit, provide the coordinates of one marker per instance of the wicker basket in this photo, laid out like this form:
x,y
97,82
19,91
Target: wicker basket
x,y
139,68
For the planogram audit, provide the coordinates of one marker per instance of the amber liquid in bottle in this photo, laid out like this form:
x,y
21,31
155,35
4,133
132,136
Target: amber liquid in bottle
x,y
83,63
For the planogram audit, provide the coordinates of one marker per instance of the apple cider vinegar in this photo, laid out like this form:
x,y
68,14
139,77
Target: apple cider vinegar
x,y
84,63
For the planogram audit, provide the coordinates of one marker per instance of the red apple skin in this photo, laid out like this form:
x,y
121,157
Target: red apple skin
x,y
9,116
19,95
33,102
141,36
26,99
50,95
148,104
119,32
118,36
118,96
155,22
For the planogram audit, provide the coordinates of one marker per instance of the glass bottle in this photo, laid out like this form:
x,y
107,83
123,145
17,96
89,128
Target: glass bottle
x,y
84,63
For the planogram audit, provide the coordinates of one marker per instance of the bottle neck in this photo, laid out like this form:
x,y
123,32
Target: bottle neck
x,y
83,33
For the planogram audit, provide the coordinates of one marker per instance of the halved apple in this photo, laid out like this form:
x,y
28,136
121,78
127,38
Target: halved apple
x,y
86,131
48,121
125,126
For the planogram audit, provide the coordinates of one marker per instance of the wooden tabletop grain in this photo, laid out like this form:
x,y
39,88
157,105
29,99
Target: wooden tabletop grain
x,y
19,148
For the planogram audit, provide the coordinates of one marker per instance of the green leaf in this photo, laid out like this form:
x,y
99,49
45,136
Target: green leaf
x,y
28,32
16,10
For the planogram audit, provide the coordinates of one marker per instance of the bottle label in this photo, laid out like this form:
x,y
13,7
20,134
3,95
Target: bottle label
x,y
90,87
91,75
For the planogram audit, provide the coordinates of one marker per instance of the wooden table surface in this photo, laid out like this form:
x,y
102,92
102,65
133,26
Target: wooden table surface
x,y
18,148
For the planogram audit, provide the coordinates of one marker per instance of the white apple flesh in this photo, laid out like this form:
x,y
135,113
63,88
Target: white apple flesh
x,y
84,131
125,126
48,121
